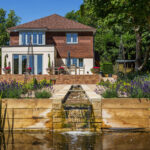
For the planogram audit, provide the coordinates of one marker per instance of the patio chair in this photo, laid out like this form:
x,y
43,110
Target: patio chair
x,y
82,69
73,69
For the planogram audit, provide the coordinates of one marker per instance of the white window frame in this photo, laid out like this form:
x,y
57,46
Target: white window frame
x,y
72,38
32,32
77,61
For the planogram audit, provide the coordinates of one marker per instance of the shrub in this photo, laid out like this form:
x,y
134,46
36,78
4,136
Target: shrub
x,y
106,83
95,70
110,93
43,94
108,68
10,90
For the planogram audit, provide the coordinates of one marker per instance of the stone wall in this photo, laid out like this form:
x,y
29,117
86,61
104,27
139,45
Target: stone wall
x,y
28,114
60,79
125,113
46,114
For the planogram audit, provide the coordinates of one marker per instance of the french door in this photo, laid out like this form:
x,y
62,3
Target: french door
x,y
21,62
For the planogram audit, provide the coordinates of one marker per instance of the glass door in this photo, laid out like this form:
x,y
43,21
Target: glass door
x,y
21,62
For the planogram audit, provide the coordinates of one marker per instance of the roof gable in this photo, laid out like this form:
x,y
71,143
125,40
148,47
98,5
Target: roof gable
x,y
55,23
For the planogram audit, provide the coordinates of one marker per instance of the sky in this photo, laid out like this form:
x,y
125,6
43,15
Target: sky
x,y
30,10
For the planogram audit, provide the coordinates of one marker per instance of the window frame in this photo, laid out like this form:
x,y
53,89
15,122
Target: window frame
x,y
24,37
72,38
42,42
77,62
35,38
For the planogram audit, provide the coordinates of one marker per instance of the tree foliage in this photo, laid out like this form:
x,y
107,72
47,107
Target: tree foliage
x,y
6,22
113,19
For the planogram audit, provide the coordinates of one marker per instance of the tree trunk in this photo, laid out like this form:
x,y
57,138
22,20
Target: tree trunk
x,y
145,59
138,49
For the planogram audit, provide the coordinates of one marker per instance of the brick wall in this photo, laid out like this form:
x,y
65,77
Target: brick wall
x,y
60,79
14,38
84,48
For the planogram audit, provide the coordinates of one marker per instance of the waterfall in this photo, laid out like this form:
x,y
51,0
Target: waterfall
x,y
78,110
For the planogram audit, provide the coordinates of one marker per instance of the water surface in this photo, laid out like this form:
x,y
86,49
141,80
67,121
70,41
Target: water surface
x,y
76,141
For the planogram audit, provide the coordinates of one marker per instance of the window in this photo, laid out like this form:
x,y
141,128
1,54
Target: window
x,y
36,38
40,38
72,38
23,38
39,64
74,61
78,62
29,38
24,63
68,38
16,64
21,62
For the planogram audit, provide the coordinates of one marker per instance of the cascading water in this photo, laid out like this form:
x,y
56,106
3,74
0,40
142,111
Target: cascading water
x,y
77,110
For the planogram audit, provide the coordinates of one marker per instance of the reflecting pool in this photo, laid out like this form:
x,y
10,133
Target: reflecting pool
x,y
76,141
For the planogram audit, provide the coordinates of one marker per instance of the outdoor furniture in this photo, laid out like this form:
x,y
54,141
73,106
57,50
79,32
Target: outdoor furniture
x,y
73,69
82,69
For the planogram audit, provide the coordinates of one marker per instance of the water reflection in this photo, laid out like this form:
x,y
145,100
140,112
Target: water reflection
x,y
75,141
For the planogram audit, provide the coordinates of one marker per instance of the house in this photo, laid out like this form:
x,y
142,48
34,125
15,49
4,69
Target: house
x,y
33,43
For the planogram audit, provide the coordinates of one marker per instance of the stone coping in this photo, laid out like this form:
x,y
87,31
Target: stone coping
x,y
60,95
91,94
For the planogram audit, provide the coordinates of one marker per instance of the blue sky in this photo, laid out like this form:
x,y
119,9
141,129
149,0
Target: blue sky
x,y
30,10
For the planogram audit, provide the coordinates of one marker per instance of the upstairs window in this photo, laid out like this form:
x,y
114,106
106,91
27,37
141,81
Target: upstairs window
x,y
29,38
23,38
40,37
72,38
35,38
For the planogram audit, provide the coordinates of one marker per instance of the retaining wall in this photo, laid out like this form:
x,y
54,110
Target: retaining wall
x,y
45,114
60,79
28,114
126,113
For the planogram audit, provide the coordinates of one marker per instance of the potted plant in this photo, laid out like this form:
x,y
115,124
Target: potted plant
x,y
29,70
95,70
7,70
61,70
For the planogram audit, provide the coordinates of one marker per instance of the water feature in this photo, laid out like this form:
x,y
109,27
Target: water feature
x,y
76,141
78,112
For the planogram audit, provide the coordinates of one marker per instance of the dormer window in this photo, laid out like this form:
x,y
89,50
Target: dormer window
x,y
35,38
72,38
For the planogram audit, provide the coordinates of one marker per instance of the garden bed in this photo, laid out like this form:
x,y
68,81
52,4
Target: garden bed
x,y
139,87
33,89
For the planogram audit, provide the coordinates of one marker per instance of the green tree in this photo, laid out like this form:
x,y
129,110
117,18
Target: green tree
x,y
133,15
5,23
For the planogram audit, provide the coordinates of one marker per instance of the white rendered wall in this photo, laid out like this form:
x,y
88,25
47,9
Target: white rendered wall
x,y
87,62
44,50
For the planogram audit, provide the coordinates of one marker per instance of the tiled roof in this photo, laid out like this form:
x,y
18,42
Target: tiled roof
x,y
75,52
55,23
